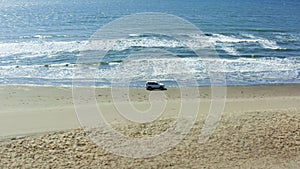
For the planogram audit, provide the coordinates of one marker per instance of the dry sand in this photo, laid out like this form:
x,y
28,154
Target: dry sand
x,y
260,128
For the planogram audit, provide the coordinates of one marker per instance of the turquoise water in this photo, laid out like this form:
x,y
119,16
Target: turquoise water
x,y
258,41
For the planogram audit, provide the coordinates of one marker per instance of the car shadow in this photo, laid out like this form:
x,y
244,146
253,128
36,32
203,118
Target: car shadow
x,y
157,89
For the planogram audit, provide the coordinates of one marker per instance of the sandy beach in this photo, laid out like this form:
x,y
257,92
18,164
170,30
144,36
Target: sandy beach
x,y
260,128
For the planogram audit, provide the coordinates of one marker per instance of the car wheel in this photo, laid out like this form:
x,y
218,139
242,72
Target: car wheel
x,y
149,88
161,88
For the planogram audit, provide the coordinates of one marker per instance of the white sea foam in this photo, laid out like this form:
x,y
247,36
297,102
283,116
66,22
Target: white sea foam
x,y
34,48
241,70
230,50
40,47
265,43
167,68
42,36
229,43
247,69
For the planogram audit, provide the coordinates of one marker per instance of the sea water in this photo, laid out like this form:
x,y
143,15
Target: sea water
x,y
257,41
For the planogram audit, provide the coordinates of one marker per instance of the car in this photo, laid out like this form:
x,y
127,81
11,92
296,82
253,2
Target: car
x,y
150,85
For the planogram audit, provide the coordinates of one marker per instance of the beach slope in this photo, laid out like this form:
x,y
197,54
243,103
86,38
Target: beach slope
x,y
260,128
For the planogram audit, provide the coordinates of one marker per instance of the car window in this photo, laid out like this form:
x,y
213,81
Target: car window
x,y
152,83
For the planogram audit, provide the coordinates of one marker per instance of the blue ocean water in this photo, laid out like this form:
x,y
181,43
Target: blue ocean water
x,y
258,41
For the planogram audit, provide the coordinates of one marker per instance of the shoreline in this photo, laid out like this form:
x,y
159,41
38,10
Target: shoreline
x,y
134,87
